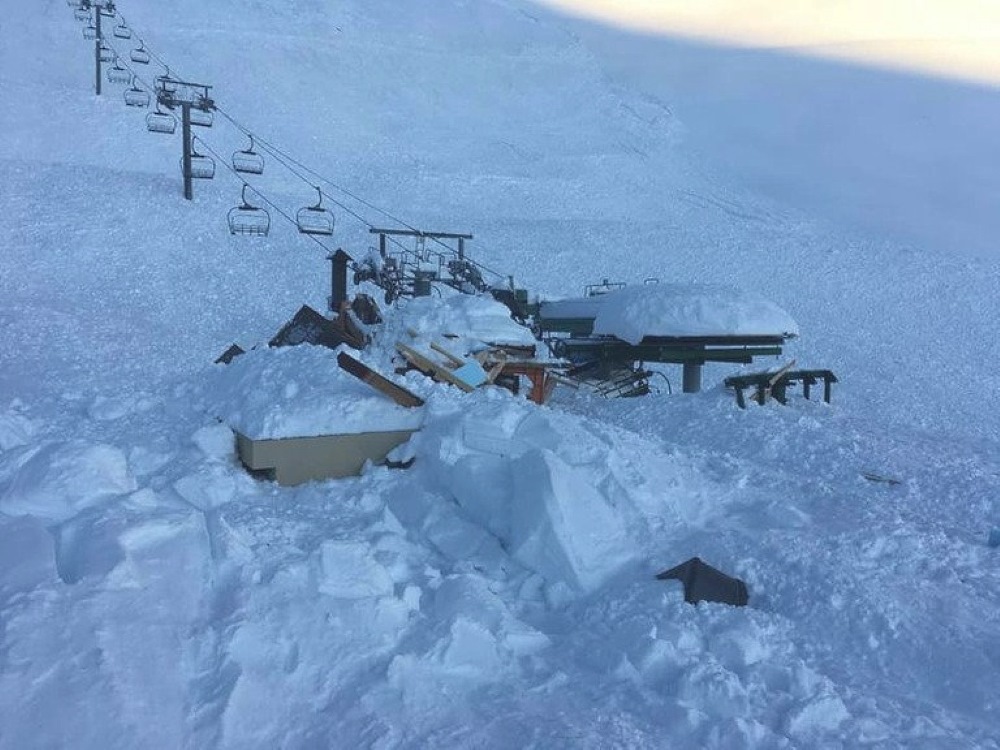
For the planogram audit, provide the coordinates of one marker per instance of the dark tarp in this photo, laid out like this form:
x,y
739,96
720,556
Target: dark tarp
x,y
703,583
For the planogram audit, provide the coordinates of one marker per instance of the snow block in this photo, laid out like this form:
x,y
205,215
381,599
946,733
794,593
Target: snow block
x,y
62,479
27,555
561,526
350,571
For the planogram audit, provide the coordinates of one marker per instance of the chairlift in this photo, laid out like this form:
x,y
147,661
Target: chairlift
x,y
140,55
122,31
249,220
248,161
203,118
119,73
161,122
90,31
107,54
202,167
167,83
135,96
315,220
74,3
82,13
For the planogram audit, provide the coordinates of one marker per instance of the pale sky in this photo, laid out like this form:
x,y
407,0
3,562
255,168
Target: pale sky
x,y
954,38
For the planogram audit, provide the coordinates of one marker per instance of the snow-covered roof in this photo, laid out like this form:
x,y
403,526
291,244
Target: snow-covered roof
x,y
300,391
633,313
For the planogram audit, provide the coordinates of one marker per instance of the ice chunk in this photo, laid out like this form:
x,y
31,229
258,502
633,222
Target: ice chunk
x,y
61,479
15,429
349,570
216,441
561,526
27,556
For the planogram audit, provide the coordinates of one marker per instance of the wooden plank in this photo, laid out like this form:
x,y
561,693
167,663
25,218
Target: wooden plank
x,y
453,358
777,376
351,328
429,367
496,369
380,383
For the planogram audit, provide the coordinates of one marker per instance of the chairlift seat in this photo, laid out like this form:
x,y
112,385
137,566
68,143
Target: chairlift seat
x,y
82,14
123,32
118,74
90,32
107,54
136,97
161,122
247,219
202,167
315,220
203,118
139,55
249,162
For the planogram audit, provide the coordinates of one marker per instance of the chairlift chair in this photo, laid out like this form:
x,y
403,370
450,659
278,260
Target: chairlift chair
x,y
119,73
82,13
107,54
161,122
315,220
140,55
90,31
167,83
122,31
135,96
248,161
249,220
203,118
202,167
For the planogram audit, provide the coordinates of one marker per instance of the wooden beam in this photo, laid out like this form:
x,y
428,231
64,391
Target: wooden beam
x,y
430,367
382,384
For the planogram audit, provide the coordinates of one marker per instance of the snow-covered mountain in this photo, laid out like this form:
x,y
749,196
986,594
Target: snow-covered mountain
x,y
152,594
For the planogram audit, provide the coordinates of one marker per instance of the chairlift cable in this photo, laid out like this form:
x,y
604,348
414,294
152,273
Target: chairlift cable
x,y
142,42
281,212
287,159
279,154
293,165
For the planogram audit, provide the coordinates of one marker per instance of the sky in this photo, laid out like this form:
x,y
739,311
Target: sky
x,y
951,38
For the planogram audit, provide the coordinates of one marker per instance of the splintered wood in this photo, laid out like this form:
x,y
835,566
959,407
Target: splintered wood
x,y
500,365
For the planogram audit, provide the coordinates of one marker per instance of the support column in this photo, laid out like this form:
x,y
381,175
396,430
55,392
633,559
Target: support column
x,y
338,280
97,50
186,138
692,377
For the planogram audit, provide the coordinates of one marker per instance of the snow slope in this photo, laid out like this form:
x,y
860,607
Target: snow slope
x,y
501,592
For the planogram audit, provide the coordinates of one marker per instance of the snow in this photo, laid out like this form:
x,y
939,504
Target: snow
x,y
636,312
301,392
460,321
500,592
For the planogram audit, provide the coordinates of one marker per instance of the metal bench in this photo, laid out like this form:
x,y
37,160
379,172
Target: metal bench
x,y
776,384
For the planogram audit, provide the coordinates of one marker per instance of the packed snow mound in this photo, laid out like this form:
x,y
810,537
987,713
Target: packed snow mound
x,y
469,321
57,481
538,481
635,312
300,391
